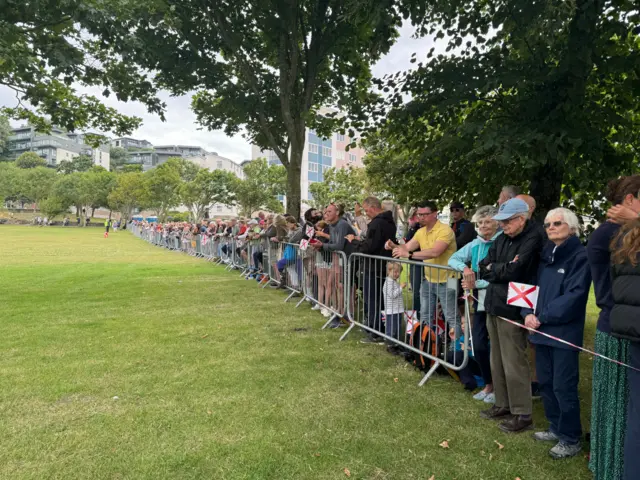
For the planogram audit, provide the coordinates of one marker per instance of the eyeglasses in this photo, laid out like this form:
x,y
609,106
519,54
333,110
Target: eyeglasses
x,y
558,223
418,214
455,210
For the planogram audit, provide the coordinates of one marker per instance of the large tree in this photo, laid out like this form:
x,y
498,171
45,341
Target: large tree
x,y
129,193
163,184
207,189
259,67
542,94
343,185
117,158
30,160
45,49
36,183
5,132
81,163
260,187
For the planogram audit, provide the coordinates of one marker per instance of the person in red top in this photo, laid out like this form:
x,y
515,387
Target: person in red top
x,y
243,226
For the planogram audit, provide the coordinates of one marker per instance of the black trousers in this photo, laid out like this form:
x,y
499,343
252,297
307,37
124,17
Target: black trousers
x,y
558,375
632,440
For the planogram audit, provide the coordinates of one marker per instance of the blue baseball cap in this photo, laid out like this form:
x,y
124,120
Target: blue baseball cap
x,y
511,208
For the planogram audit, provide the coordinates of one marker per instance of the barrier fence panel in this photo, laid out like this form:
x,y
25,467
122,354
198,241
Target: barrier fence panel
x,y
409,305
324,281
381,303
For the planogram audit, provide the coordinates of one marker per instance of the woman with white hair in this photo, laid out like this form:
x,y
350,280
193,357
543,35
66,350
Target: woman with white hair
x,y
564,278
466,260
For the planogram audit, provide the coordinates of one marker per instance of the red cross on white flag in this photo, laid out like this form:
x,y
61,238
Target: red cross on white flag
x,y
522,295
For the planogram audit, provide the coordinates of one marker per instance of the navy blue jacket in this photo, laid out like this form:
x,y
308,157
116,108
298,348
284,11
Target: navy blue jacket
x,y
564,278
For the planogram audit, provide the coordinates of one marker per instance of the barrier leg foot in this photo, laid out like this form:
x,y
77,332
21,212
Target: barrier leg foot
x,y
431,371
266,283
289,297
331,318
344,335
304,297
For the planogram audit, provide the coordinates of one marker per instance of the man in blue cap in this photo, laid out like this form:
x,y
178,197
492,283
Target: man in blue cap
x,y
513,257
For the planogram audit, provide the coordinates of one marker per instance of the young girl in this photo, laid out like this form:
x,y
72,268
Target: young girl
x,y
393,304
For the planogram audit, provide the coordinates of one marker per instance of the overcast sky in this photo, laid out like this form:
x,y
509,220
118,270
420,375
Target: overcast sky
x,y
180,126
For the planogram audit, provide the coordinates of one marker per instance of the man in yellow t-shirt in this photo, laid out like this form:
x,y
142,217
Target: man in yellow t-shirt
x,y
434,243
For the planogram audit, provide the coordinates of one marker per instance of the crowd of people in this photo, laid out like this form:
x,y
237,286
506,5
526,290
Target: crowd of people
x,y
517,353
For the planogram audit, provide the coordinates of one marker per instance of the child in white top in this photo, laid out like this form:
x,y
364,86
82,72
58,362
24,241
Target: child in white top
x,y
393,300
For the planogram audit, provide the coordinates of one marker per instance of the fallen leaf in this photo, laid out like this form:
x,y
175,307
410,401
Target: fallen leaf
x,y
490,456
500,446
347,472
208,412
517,478
205,336
316,454
395,380
432,477
445,444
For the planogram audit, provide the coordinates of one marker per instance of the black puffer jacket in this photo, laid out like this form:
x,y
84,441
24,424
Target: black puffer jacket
x,y
505,268
380,229
625,316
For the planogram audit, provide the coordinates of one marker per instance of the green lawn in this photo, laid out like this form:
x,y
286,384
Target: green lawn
x,y
121,360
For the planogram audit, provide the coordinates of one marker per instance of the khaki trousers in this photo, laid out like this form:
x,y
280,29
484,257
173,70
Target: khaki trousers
x,y
510,366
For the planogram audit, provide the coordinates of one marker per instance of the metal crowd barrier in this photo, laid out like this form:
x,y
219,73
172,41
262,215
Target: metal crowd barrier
x,y
380,303
324,281
380,295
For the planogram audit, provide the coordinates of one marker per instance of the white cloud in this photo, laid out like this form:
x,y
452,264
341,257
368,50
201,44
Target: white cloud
x,y
181,128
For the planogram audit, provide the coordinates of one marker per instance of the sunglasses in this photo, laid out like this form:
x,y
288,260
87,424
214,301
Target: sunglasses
x,y
455,210
555,224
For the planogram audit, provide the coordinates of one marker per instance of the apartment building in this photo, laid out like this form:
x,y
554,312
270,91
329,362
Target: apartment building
x,y
318,156
55,147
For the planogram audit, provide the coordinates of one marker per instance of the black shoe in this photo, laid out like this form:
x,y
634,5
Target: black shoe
x,y
535,390
370,340
335,323
517,424
495,412
394,350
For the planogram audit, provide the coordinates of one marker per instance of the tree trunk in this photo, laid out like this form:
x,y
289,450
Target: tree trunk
x,y
293,184
546,187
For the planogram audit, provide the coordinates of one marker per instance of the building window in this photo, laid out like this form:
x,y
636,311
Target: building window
x,y
219,208
313,148
313,167
326,152
219,164
339,137
352,158
340,155
325,168
312,132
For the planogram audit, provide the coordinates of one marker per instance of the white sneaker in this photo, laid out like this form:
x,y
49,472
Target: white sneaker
x,y
481,395
325,312
490,398
316,307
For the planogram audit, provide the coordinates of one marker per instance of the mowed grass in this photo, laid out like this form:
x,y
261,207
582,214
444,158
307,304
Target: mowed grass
x,y
121,360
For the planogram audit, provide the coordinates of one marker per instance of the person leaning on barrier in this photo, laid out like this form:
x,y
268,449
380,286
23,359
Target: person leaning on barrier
x,y
513,257
339,228
564,280
380,230
294,236
434,244
467,261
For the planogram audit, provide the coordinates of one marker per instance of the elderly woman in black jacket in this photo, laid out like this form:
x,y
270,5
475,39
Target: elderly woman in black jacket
x,y
625,323
563,279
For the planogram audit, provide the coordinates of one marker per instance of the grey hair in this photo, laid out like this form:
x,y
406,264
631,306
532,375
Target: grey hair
x,y
568,216
511,190
483,212
372,202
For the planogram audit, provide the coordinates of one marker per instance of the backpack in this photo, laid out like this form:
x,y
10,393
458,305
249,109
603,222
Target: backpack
x,y
423,337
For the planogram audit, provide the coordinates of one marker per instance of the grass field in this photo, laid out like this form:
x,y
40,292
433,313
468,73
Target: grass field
x,y
120,360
